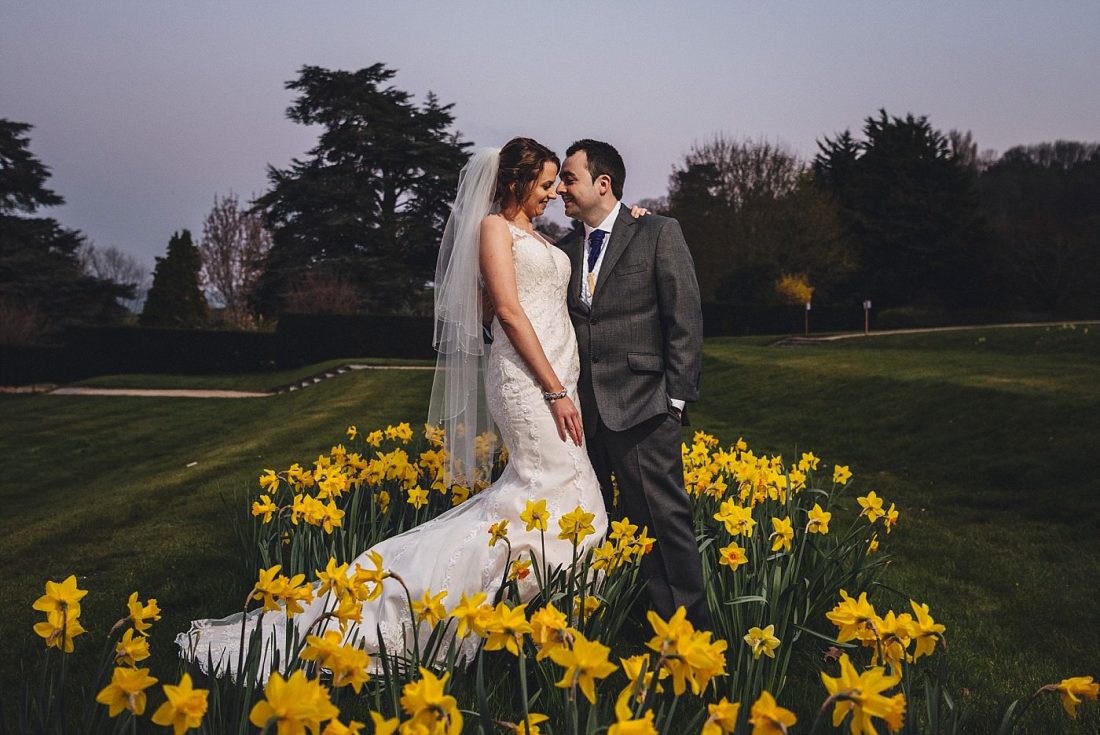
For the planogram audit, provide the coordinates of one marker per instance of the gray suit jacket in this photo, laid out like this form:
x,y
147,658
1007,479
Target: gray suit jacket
x,y
641,340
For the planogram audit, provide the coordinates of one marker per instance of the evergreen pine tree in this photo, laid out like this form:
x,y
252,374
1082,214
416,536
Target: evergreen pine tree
x,y
175,299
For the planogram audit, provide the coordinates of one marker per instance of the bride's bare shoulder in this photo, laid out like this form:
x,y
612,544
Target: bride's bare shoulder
x,y
494,228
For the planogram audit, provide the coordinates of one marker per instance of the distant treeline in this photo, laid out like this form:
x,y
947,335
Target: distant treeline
x,y
912,219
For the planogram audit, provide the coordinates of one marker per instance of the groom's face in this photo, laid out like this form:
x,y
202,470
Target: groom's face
x,y
579,193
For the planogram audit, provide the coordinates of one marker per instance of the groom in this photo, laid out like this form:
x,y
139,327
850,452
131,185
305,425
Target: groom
x,y
634,302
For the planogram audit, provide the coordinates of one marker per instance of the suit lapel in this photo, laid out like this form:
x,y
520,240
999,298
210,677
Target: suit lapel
x,y
573,245
621,235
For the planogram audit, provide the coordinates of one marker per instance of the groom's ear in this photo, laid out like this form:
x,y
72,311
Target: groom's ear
x,y
603,184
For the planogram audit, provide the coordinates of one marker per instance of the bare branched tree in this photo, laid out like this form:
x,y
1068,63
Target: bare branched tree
x,y
112,264
233,246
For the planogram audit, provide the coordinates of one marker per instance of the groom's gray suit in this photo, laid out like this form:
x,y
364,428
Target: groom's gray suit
x,y
640,344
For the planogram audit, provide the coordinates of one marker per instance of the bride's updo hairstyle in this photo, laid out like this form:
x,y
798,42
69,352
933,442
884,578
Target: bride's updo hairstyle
x,y
521,162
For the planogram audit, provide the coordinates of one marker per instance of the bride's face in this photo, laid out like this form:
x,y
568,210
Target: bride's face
x,y
534,204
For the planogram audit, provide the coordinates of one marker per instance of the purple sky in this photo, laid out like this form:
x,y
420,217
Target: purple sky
x,y
145,109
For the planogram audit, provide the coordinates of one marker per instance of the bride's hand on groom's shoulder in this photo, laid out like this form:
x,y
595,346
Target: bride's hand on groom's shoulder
x,y
638,212
568,420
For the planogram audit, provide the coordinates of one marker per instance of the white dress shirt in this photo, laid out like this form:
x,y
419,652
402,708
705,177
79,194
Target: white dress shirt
x,y
586,294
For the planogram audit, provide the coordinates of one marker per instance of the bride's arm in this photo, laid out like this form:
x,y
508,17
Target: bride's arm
x,y
498,272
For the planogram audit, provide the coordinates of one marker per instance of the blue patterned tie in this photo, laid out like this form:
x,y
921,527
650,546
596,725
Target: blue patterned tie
x,y
595,244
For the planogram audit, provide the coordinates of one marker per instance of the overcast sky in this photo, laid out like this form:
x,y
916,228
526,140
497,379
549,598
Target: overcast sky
x,y
145,109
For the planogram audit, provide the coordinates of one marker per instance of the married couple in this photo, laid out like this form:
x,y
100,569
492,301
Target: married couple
x,y
595,350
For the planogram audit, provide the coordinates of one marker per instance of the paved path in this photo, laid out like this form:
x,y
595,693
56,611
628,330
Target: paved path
x,y
810,339
205,393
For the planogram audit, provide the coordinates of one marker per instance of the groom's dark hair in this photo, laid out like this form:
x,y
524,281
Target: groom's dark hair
x,y
603,160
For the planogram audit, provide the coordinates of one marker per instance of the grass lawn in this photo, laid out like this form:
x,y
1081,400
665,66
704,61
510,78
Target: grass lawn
x,y
983,438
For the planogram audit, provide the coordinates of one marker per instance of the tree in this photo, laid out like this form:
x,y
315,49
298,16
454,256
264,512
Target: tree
x,y
111,264
910,205
233,247
41,277
1043,206
370,202
750,213
175,299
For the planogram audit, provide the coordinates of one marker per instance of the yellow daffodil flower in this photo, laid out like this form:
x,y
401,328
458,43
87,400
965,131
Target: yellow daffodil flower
x,y
736,518
535,515
185,706
293,705
126,690
783,534
851,616
140,613
352,432
418,497
1075,688
427,705
265,507
862,697
520,569
472,614
129,650
548,629
841,474
429,608
732,556
762,641
768,718
818,520
505,628
382,726
269,481
59,628
872,506
498,532
808,462
721,717
585,662
60,597
631,726
926,631
534,719
576,525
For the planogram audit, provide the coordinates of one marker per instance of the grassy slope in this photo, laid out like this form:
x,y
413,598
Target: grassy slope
x,y
985,444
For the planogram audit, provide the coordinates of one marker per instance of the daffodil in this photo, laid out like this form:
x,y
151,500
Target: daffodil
x,y
269,481
721,717
427,705
861,695
768,718
534,719
584,662
382,726
264,507
736,518
368,582
872,506
1075,688
818,520
634,726
762,641
126,690
926,631
352,432
139,613
335,727
841,474
505,628
429,608
498,532
548,629
732,556
576,525
852,617
61,597
129,650
535,515
293,705
185,706
622,530
520,569
472,614
808,462
59,630
783,534
418,497
892,516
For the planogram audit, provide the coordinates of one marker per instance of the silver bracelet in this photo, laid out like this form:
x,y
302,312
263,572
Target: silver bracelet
x,y
551,397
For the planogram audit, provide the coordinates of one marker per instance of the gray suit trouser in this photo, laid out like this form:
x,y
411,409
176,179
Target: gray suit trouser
x,y
649,469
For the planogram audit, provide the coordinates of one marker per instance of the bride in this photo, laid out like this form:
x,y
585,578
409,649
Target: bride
x,y
528,382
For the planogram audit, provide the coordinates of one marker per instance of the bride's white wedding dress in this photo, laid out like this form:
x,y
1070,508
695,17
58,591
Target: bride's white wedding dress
x,y
451,552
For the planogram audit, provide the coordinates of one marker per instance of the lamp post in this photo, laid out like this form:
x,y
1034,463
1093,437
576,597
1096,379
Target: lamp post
x,y
867,316
807,327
